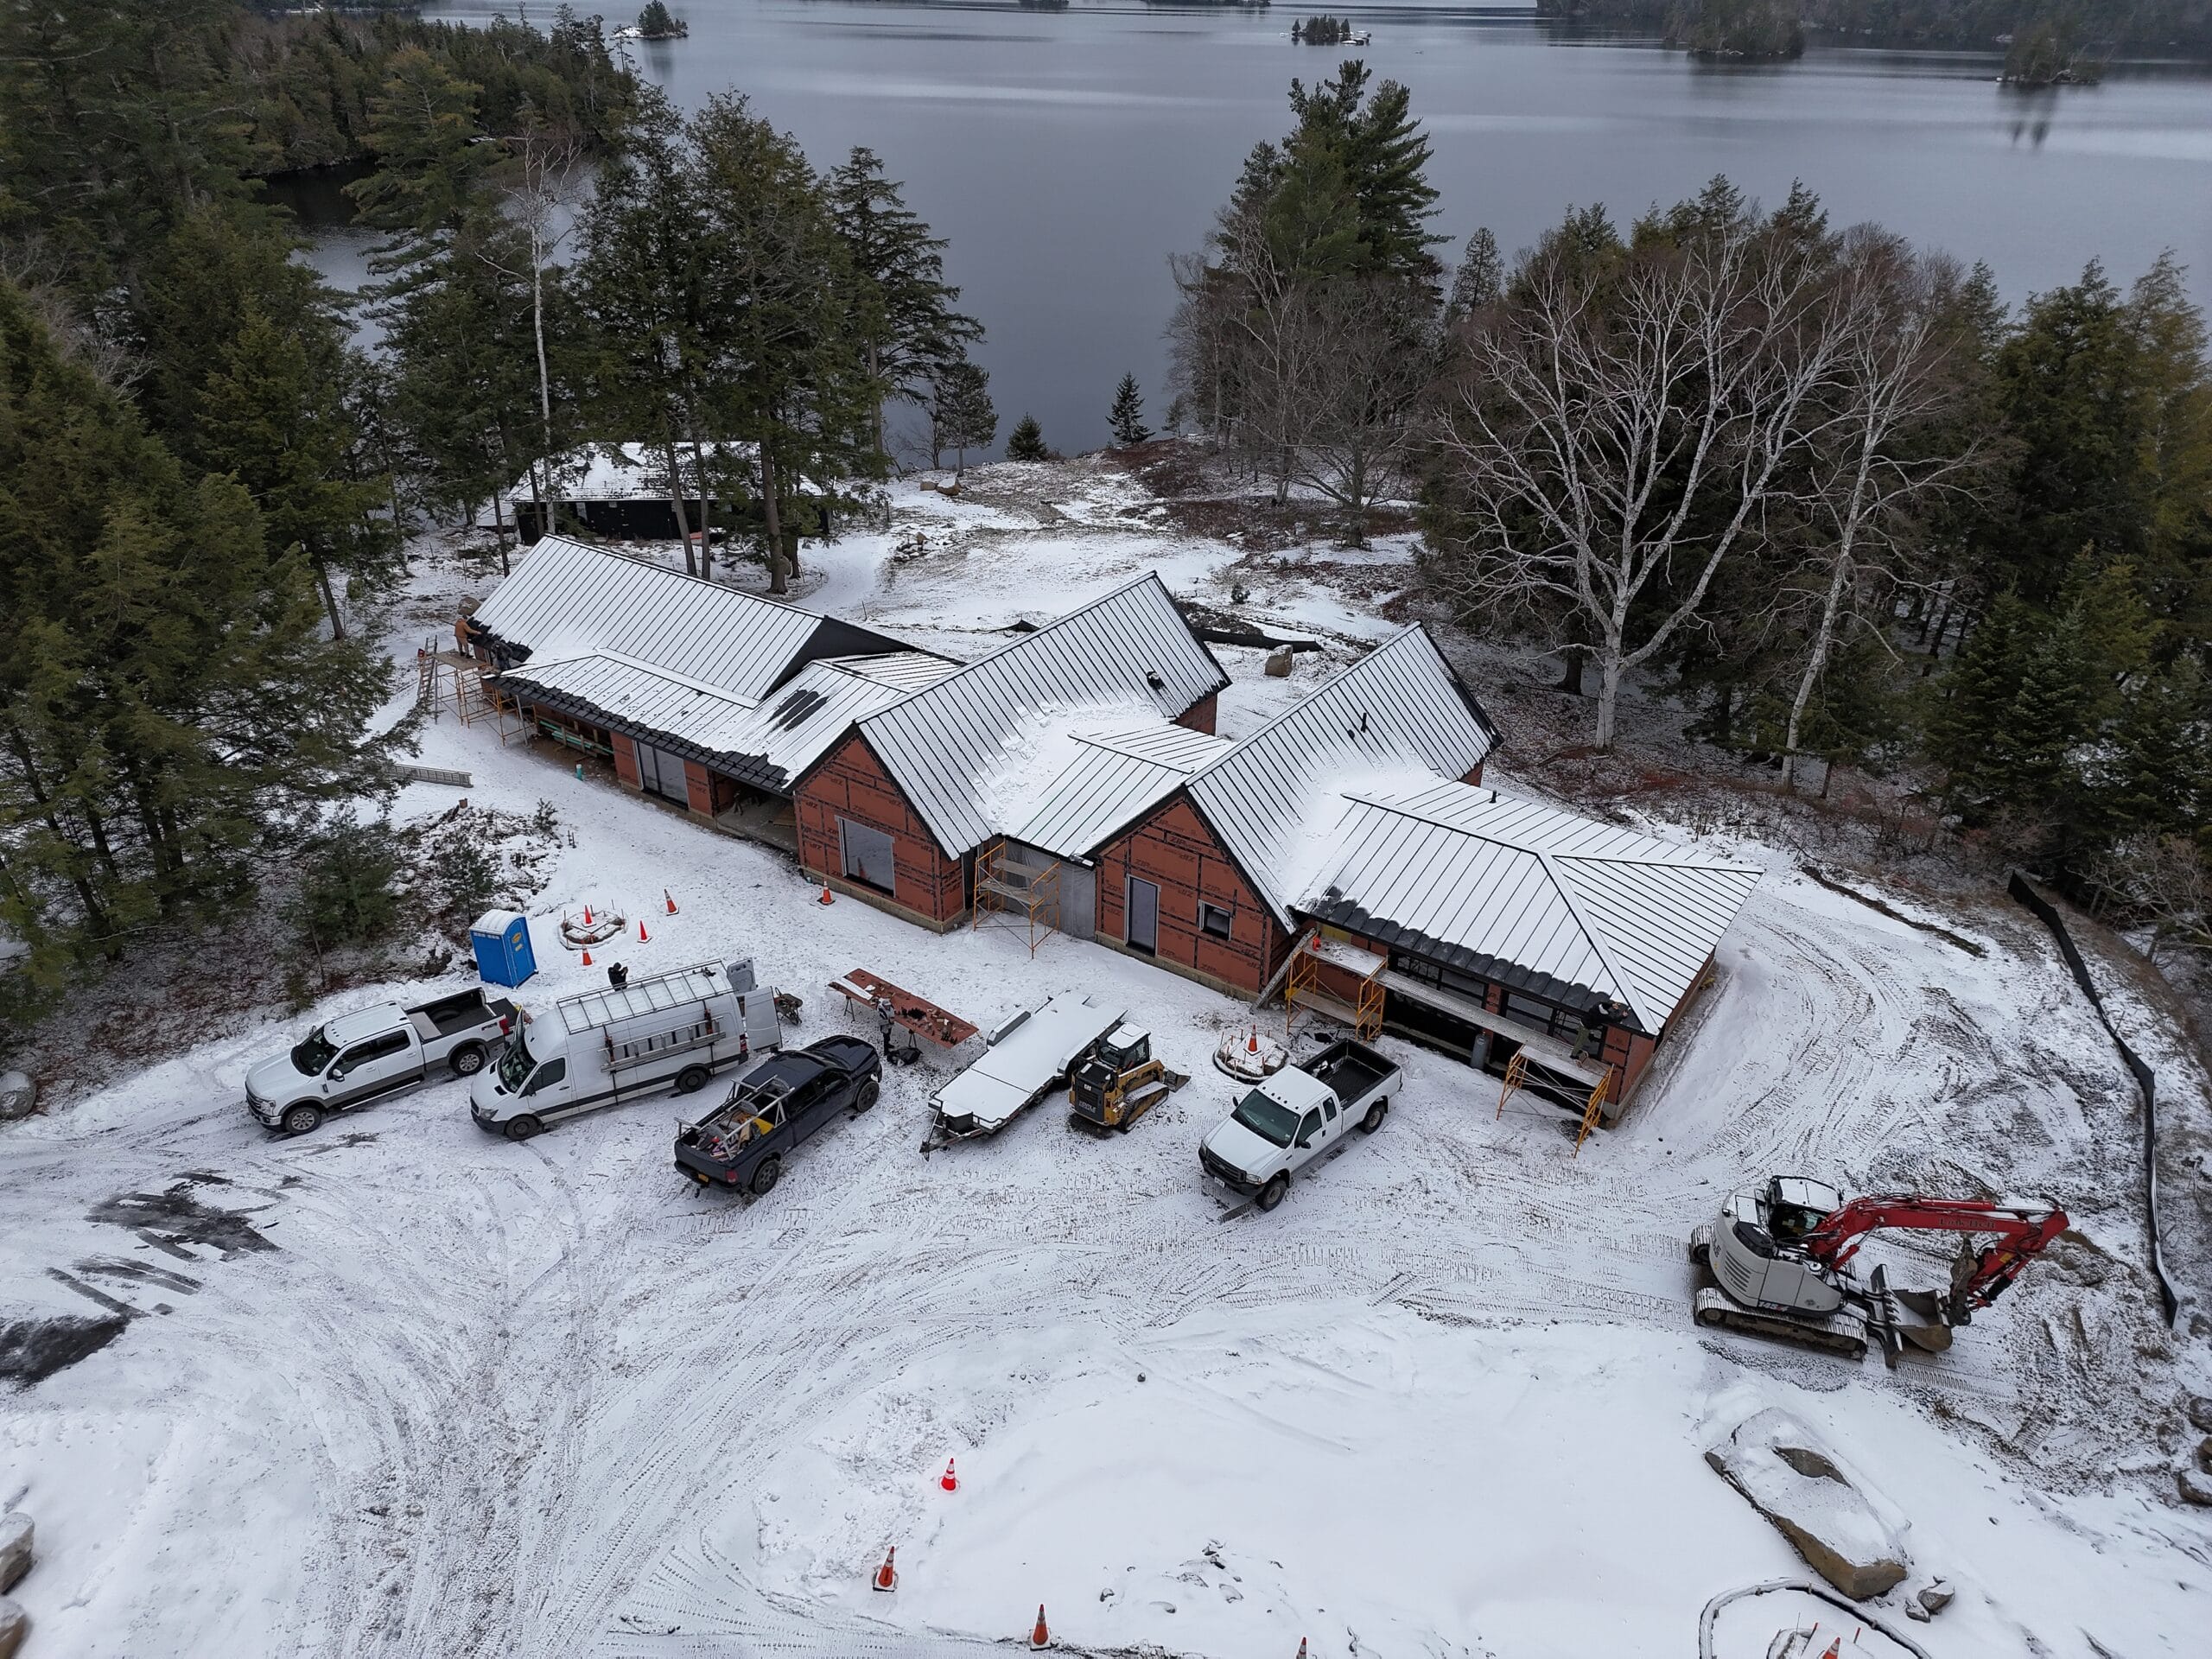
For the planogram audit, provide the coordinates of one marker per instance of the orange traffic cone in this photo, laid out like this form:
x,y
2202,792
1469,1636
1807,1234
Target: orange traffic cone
x,y
1040,1637
950,1481
587,958
586,915
1301,1647
1252,1043
825,899
671,903
886,1576
643,937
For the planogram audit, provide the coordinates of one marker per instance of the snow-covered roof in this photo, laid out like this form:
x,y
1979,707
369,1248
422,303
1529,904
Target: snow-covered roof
x,y
1524,892
1273,796
767,743
1113,778
948,745
565,600
613,471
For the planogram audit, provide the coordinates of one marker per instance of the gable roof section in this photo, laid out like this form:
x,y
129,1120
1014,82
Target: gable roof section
x,y
1115,778
944,744
1399,709
1511,889
567,601
765,744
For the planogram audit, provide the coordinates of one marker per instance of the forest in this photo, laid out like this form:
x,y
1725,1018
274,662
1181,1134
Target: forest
x,y
2147,27
1823,486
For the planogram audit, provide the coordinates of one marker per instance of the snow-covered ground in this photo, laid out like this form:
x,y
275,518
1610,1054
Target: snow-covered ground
x,y
400,1388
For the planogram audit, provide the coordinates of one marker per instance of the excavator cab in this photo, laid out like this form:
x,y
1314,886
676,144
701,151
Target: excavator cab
x,y
1796,1205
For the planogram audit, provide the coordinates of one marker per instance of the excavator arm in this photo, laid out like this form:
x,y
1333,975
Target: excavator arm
x,y
2018,1233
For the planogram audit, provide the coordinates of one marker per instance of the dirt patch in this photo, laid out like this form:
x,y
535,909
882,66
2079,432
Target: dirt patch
x,y
176,1218
33,1350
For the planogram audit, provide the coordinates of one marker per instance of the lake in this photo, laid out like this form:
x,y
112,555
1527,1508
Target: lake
x,y
1065,154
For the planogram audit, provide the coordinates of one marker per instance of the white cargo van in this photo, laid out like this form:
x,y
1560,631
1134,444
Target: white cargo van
x,y
604,1047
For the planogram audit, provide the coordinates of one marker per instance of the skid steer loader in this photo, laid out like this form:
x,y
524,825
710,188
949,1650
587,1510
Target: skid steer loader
x,y
1119,1083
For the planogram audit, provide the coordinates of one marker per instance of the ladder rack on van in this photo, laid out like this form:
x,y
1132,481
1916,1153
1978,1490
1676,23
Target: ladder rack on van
x,y
638,1051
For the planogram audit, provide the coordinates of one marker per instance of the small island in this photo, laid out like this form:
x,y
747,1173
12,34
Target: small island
x,y
1738,31
657,22
2044,55
1328,31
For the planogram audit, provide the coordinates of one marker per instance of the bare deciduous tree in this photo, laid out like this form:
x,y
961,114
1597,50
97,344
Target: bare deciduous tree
x,y
1615,433
2162,880
1876,454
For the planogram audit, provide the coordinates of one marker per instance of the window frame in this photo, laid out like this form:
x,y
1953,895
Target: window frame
x,y
1208,910
853,863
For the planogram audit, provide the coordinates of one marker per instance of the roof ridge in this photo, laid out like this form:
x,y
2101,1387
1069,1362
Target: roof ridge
x,y
1306,701
1687,860
1630,991
681,576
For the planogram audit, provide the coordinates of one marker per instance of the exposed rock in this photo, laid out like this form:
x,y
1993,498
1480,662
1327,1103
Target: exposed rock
x,y
2194,1488
14,1549
18,1095
1917,1613
1934,1597
15,1625
2204,1454
2198,1409
1789,1477
1279,663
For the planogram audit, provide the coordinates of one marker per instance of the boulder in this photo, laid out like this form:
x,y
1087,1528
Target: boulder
x,y
1790,1477
14,1549
2198,1408
2194,1488
1934,1597
1279,663
18,1095
15,1625
2204,1454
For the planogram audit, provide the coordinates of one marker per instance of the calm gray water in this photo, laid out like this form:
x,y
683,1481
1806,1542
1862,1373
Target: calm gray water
x,y
1066,154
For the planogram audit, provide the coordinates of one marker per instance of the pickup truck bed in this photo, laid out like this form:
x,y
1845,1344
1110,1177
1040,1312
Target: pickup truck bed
x,y
1352,1069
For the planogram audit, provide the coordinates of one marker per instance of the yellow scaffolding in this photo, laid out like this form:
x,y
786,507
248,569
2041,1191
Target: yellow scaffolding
x,y
1593,1109
1013,894
1363,1012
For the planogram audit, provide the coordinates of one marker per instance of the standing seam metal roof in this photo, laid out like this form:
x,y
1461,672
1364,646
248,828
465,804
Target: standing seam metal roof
x,y
940,744
566,600
1401,704
1115,778
1574,905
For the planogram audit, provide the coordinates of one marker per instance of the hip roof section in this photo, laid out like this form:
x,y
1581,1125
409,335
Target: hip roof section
x,y
1588,912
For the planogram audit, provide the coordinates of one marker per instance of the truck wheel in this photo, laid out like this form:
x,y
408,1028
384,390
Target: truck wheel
x,y
521,1128
765,1175
1271,1194
691,1079
466,1060
301,1119
1375,1113
865,1096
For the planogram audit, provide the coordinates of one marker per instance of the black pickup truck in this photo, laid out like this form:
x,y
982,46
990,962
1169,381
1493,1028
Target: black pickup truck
x,y
777,1105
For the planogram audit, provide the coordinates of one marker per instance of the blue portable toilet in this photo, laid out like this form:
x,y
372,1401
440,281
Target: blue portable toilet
x,y
503,952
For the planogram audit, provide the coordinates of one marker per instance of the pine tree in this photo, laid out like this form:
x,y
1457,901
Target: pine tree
x,y
901,308
169,708
1385,156
961,416
1027,441
1480,279
1126,417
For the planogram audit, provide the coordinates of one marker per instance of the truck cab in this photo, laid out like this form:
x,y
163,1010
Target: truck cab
x,y
1302,1114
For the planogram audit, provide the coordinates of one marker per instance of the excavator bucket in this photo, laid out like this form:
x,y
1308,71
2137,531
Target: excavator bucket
x,y
1920,1321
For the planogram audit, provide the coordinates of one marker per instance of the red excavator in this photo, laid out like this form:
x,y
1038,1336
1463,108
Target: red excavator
x,y
1780,1257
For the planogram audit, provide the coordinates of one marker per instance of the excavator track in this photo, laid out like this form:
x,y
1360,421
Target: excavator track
x,y
1841,1334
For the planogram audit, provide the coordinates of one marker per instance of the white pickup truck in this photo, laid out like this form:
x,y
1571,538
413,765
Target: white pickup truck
x,y
373,1053
1302,1114
1024,1059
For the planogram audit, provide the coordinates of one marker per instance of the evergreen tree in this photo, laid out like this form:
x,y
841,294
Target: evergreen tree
x,y
901,308
1126,417
961,416
277,422
1384,156
431,154
1027,441
1480,279
169,711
